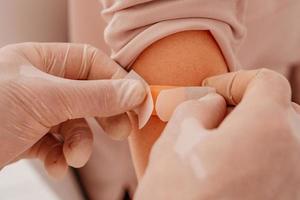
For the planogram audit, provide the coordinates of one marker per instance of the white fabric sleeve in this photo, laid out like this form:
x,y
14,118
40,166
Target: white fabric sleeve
x,y
135,24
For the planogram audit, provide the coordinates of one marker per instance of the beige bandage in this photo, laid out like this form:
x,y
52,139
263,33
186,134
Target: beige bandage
x,y
167,98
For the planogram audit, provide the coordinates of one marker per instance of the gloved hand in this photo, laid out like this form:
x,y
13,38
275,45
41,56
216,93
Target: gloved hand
x,y
42,109
252,154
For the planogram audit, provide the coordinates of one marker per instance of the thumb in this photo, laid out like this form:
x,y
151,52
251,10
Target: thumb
x,y
208,111
189,123
72,99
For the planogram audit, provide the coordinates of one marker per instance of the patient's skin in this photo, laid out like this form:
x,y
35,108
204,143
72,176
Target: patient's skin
x,y
181,59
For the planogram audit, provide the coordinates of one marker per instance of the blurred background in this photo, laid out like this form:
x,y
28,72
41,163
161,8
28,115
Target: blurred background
x,y
50,21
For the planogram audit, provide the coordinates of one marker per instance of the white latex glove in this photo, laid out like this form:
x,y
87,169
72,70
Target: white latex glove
x,y
39,99
252,154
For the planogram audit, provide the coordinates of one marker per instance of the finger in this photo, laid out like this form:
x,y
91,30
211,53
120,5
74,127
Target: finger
x,y
55,162
117,127
73,61
49,151
255,85
78,142
60,100
42,147
101,98
209,111
190,123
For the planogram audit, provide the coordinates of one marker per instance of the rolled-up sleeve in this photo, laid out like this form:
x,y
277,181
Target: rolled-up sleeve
x,y
133,25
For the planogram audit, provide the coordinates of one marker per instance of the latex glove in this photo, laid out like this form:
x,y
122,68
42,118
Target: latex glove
x,y
252,154
38,100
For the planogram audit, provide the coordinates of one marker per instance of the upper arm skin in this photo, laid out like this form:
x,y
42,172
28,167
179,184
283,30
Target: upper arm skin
x,y
181,59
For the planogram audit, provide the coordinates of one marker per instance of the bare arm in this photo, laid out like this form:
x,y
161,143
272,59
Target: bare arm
x,y
184,58
181,59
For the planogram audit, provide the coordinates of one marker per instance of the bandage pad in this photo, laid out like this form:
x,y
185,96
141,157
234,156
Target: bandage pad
x,y
167,98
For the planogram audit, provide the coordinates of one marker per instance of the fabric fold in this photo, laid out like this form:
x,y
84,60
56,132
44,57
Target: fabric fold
x,y
133,25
